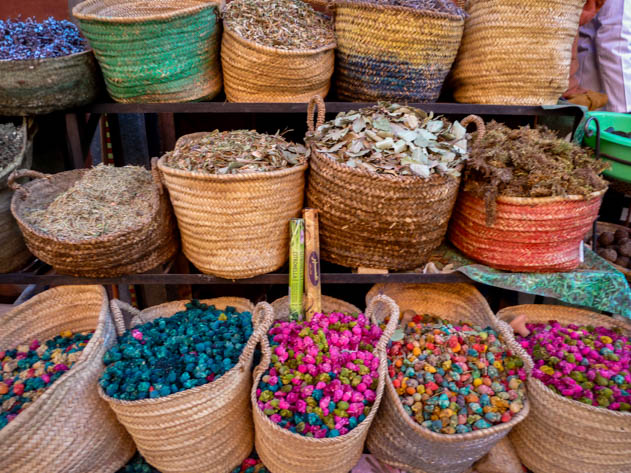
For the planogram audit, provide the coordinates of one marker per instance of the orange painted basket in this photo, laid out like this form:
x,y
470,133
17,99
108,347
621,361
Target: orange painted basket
x,y
543,234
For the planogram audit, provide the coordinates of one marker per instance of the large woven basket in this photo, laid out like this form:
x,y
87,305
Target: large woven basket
x,y
235,225
398,440
24,158
13,252
393,52
154,51
283,451
378,220
206,429
516,52
38,86
145,246
69,429
257,73
562,435
542,234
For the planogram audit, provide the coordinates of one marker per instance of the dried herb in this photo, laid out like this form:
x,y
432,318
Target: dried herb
x,y
529,162
105,200
236,152
394,139
282,24
442,6
11,139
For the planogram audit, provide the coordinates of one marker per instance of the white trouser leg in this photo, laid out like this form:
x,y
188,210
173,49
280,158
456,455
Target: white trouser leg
x,y
588,74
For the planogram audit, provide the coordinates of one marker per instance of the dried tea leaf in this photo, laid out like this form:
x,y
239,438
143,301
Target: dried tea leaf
x,y
359,124
420,170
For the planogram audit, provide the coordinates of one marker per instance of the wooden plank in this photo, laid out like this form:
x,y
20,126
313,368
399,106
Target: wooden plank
x,y
166,127
74,130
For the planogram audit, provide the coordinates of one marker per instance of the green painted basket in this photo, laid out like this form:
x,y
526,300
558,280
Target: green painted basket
x,y
154,51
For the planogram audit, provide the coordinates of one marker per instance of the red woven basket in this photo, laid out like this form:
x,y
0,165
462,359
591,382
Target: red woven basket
x,y
542,234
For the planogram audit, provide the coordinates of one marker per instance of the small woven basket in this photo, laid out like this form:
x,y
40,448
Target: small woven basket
x,y
398,440
205,429
69,429
378,220
150,243
235,225
282,451
541,234
13,252
388,52
39,86
516,52
612,227
154,51
24,158
562,435
257,73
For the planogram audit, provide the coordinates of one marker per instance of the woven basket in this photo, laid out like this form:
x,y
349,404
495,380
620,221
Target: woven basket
x,y
205,429
329,305
542,234
562,435
516,52
135,250
24,158
378,220
154,51
69,429
257,73
235,225
393,52
282,451
13,252
398,440
612,227
39,86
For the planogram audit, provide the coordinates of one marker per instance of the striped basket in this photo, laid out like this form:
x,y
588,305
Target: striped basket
x,y
516,52
155,51
394,53
542,234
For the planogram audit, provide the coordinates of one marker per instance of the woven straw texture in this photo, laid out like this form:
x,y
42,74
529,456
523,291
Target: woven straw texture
x,y
69,429
542,234
282,451
206,429
257,73
562,435
378,220
392,52
154,51
38,86
329,305
612,227
235,225
516,52
13,252
398,440
24,158
141,248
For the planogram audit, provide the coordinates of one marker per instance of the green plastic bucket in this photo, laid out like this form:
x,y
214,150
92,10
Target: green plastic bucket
x,y
613,148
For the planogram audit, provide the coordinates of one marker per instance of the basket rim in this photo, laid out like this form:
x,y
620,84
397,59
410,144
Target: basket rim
x,y
385,177
541,200
399,8
571,403
250,176
77,12
17,200
87,51
281,52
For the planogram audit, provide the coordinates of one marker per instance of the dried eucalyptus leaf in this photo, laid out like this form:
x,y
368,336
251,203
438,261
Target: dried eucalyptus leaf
x,y
359,124
420,170
382,123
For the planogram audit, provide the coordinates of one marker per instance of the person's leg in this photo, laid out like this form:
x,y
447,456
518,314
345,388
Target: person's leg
x,y
587,76
613,47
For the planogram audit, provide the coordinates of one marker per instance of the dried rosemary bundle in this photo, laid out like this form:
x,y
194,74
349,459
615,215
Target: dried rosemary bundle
x,y
394,139
442,6
282,24
530,162
11,139
236,152
105,200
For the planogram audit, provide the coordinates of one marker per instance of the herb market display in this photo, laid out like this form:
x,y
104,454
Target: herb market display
x,y
168,355
529,199
455,378
276,51
28,370
223,180
384,179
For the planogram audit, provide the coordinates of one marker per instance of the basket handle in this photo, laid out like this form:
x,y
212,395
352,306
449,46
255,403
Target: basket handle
x,y
379,308
479,123
262,320
157,177
508,335
315,104
123,314
19,174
